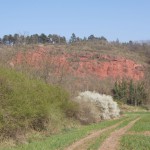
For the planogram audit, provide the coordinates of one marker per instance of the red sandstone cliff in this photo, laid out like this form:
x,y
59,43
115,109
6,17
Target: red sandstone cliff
x,y
81,64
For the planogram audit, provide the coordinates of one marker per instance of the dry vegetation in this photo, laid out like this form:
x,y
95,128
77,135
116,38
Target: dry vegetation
x,y
71,83
140,53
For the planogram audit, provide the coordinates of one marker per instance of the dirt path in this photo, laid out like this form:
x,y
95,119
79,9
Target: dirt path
x,y
112,142
81,144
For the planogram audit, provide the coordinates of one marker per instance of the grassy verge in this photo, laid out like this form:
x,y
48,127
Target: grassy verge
x,y
143,124
135,142
65,138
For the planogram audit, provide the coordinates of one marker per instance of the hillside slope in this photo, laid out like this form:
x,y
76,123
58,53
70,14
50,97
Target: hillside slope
x,y
80,63
29,104
87,65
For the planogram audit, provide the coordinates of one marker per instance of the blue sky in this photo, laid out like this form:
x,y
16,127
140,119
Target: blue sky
x,y
122,19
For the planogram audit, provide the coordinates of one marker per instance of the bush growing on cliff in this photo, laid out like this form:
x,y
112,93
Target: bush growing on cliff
x,y
27,103
129,92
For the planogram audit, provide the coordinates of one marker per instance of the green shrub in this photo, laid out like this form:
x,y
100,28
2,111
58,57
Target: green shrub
x,y
27,103
129,92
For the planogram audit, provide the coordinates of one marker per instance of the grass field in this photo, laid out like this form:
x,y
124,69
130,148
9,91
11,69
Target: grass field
x,y
138,137
135,142
134,139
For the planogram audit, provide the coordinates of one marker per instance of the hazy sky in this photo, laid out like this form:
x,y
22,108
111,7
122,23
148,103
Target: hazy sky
x,y
122,19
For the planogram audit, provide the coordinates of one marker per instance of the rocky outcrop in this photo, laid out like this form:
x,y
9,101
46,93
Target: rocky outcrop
x,y
81,64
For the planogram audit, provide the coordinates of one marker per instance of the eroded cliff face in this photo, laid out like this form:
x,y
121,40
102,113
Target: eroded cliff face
x,y
80,64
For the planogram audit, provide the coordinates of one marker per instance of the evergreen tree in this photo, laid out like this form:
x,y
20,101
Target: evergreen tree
x,y
73,38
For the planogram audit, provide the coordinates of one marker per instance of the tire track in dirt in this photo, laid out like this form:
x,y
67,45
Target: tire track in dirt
x,y
112,142
81,144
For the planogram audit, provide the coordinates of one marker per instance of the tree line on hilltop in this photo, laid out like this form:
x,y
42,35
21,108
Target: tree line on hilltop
x,y
43,38
18,39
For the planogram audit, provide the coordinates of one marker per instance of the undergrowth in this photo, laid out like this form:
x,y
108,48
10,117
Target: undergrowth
x,y
28,103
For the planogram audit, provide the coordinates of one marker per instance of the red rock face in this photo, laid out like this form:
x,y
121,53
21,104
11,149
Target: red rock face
x,y
102,66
